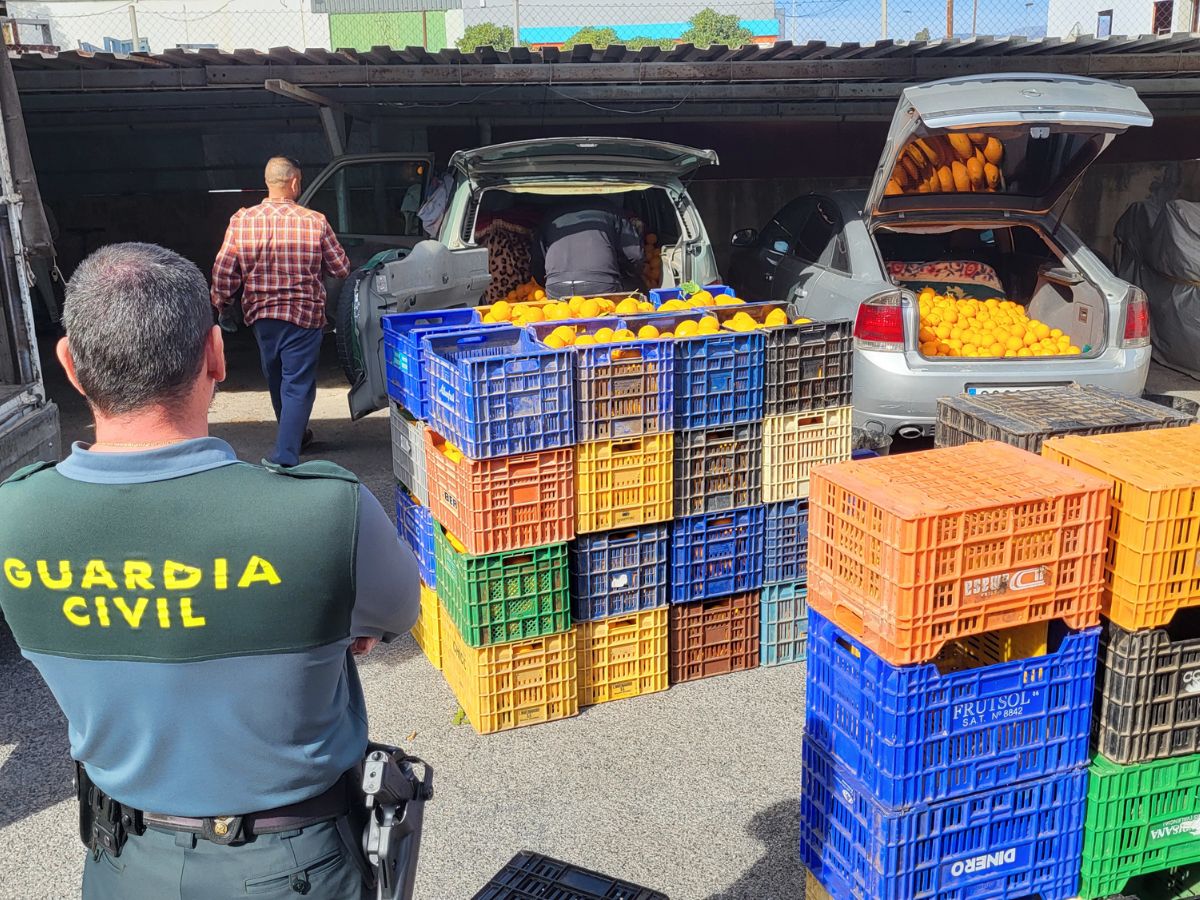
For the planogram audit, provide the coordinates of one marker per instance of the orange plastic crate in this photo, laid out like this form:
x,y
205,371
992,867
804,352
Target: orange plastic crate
x,y
428,630
908,552
622,656
619,484
509,685
794,443
503,503
1152,563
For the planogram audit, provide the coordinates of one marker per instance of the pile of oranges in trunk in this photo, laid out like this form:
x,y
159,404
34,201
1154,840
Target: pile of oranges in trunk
x,y
992,328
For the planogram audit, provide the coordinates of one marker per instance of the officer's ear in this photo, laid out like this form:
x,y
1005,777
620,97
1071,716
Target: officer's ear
x,y
67,361
214,355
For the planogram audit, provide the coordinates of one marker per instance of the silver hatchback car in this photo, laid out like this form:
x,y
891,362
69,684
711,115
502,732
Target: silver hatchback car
x,y
966,200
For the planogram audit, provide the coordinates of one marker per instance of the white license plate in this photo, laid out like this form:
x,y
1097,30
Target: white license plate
x,y
974,389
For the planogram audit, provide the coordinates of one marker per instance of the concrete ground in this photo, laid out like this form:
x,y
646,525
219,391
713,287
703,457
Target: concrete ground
x,y
693,791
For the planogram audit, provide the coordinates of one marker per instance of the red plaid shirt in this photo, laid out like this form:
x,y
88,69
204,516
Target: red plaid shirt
x,y
276,253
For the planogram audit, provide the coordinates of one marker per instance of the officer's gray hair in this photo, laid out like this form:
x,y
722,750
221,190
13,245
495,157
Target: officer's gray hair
x,y
137,317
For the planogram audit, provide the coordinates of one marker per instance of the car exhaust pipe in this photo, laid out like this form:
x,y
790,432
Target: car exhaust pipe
x,y
909,432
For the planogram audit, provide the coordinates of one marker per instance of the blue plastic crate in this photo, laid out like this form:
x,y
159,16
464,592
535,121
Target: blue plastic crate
x,y
784,624
498,392
659,296
718,379
717,554
414,523
408,380
786,542
1019,841
910,734
616,572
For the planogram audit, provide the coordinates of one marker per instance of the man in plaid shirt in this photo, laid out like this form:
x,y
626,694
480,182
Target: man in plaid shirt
x,y
276,253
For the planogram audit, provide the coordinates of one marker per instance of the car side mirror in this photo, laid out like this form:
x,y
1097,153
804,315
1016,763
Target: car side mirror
x,y
744,238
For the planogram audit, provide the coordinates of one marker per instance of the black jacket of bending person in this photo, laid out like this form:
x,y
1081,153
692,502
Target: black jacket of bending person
x,y
586,246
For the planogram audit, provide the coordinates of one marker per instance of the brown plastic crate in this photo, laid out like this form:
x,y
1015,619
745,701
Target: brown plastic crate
x,y
502,503
1154,531
714,637
909,552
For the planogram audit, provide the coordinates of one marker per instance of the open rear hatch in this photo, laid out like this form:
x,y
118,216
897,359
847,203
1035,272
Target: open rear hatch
x,y
582,156
999,143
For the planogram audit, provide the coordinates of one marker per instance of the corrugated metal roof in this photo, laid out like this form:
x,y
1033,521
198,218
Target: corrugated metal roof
x,y
1108,53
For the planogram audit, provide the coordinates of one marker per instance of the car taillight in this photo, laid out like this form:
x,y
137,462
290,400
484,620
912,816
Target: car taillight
x,y
879,324
1137,319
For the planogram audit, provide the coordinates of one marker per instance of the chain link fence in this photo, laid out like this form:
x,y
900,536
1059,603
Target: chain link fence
x,y
155,26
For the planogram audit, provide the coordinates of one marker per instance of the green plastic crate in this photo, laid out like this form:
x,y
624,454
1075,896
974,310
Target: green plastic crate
x,y
502,597
1141,819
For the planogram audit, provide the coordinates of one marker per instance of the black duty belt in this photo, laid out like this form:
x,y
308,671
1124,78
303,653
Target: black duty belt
x,y
105,824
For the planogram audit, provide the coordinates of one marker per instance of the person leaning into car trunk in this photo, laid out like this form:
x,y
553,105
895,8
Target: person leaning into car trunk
x,y
585,247
275,254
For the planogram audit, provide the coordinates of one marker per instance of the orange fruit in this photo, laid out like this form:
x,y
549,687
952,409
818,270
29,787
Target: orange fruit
x,y
647,332
589,309
585,340
604,335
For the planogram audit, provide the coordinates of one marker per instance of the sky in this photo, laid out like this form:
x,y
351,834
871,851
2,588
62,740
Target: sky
x,y
842,21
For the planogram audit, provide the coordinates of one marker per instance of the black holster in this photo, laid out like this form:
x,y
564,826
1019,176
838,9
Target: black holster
x,y
104,824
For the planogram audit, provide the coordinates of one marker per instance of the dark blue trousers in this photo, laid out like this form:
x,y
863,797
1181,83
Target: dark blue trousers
x,y
289,363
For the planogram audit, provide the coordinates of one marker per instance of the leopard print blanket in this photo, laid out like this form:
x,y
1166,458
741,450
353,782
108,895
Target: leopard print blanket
x,y
508,257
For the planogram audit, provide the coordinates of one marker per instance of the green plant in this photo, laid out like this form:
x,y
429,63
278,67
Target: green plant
x,y
486,34
709,27
595,37
637,43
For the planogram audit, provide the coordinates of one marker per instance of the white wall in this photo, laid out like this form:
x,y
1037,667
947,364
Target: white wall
x,y
1130,17
230,24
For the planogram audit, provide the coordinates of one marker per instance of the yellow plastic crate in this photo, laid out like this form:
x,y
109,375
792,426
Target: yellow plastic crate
x,y
622,656
1152,559
509,685
794,443
620,484
813,889
428,630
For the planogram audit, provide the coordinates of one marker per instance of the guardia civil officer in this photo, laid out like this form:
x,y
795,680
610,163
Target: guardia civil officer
x,y
195,616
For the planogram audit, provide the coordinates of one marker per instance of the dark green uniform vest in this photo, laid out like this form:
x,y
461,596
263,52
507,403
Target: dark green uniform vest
x,y
233,561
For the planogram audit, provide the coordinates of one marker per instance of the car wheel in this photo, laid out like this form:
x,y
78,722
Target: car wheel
x,y
348,349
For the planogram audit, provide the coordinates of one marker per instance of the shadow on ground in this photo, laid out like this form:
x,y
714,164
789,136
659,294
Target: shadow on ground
x,y
778,874
37,773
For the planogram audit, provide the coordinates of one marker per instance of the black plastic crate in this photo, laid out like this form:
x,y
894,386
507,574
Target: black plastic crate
x,y
1148,691
808,367
718,469
1027,418
531,876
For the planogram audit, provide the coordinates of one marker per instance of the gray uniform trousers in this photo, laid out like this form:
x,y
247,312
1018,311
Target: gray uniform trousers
x,y
159,865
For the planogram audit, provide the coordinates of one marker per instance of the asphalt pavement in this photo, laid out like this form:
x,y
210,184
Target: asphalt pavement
x,y
692,791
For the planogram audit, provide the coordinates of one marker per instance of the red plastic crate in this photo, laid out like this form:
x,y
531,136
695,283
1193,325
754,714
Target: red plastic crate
x,y
502,503
714,637
908,552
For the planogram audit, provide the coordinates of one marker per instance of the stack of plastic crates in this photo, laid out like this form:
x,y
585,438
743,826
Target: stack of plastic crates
x,y
1143,814
953,628
716,514
807,387
407,385
499,453
623,409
